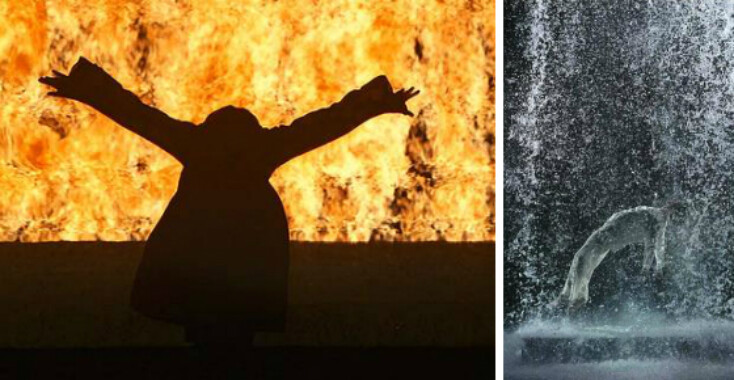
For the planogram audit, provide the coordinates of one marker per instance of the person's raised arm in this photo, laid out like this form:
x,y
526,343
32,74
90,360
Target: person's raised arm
x,y
91,85
327,124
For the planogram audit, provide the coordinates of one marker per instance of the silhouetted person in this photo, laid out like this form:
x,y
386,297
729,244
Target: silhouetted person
x,y
217,261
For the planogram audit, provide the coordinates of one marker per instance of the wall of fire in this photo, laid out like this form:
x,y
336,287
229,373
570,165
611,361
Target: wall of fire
x,y
68,173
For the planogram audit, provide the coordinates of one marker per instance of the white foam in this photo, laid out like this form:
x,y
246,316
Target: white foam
x,y
694,329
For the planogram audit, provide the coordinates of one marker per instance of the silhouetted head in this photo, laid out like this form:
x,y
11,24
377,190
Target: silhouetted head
x,y
231,121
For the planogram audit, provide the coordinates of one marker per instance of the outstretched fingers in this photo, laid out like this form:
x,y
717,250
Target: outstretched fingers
x,y
397,100
51,81
58,81
54,81
407,94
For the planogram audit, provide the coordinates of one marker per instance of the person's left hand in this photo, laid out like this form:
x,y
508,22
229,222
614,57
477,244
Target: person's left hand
x,y
63,85
81,83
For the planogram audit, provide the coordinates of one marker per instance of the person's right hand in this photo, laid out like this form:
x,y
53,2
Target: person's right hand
x,y
395,102
379,90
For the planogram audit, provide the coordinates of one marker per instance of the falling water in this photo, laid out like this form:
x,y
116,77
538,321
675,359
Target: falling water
x,y
613,105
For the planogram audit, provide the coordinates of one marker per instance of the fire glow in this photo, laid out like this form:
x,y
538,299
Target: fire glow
x,y
69,173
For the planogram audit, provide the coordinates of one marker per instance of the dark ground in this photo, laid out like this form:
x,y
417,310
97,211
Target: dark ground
x,y
264,363
355,311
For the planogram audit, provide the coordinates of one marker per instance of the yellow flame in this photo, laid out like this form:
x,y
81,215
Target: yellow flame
x,y
68,173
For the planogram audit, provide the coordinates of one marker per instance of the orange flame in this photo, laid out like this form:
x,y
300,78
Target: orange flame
x,y
68,173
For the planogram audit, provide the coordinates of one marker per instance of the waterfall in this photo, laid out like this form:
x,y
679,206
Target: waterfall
x,y
613,105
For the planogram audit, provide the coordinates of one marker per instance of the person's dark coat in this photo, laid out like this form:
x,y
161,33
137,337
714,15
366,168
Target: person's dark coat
x,y
219,254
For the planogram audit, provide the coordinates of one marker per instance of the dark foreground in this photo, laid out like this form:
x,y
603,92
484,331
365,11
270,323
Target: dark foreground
x,y
76,294
371,311
262,363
